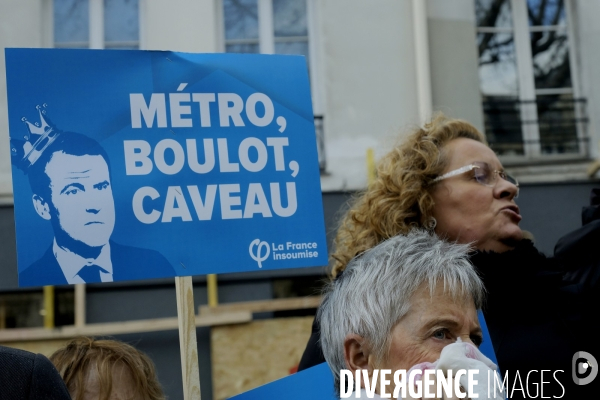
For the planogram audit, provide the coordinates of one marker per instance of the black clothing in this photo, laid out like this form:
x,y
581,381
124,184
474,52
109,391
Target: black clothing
x,y
313,354
527,315
578,253
28,376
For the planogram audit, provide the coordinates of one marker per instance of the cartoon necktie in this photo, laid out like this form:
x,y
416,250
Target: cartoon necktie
x,y
91,273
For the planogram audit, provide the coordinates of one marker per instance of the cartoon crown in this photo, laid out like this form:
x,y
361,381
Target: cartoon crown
x,y
40,136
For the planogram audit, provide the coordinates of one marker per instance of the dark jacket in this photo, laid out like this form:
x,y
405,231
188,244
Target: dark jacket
x,y
579,252
536,313
528,316
128,263
28,376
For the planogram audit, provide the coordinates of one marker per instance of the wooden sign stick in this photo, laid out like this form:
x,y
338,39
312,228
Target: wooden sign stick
x,y
187,338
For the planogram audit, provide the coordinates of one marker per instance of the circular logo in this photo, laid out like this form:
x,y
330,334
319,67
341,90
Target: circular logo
x,y
585,368
256,250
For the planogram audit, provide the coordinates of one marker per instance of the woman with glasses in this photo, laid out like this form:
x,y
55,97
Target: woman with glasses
x,y
445,178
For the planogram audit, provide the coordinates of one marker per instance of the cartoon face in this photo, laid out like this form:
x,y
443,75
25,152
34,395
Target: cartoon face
x,y
81,197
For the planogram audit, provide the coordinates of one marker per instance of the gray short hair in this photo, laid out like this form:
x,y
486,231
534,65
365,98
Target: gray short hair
x,y
374,291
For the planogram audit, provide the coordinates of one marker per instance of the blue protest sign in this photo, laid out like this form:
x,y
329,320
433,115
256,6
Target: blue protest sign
x,y
146,164
486,346
315,383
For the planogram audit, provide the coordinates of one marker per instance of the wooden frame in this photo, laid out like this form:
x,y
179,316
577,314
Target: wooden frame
x,y
224,314
118,328
294,303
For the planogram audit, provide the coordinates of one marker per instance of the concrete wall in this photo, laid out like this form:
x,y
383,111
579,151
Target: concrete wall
x,y
179,25
371,94
370,77
453,58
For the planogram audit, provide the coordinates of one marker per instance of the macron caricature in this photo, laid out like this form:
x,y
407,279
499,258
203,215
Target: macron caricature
x,y
69,175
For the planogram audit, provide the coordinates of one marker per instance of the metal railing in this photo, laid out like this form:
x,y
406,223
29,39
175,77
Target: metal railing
x,y
560,126
320,142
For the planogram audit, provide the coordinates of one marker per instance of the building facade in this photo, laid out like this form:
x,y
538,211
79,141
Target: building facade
x,y
522,71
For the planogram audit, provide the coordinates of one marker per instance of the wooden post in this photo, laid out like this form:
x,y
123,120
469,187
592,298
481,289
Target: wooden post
x,y
371,169
211,289
187,338
80,305
48,307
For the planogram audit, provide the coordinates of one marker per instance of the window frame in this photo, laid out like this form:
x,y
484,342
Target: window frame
x,y
96,29
527,93
266,40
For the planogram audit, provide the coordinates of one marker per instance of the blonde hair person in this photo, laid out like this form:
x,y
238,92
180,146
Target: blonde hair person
x,y
399,199
102,369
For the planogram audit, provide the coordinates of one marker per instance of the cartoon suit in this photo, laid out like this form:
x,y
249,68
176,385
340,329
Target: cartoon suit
x,y
128,263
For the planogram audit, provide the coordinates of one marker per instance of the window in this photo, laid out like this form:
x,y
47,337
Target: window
x,y
241,26
527,78
26,309
272,27
97,24
266,26
276,27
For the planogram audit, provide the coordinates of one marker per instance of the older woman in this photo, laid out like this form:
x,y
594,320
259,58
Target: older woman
x,y
97,369
425,299
445,178
442,177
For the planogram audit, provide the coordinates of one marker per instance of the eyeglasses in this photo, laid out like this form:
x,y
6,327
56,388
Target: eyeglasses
x,y
483,174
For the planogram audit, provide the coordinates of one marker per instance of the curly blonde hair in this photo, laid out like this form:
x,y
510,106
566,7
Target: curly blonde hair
x,y
399,199
77,357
